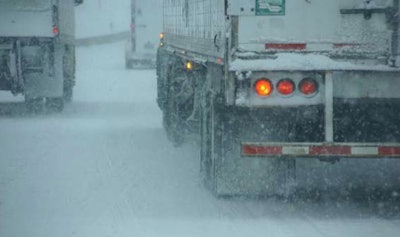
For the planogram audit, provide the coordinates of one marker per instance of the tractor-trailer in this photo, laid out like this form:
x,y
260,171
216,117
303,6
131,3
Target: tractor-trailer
x,y
145,25
284,95
37,50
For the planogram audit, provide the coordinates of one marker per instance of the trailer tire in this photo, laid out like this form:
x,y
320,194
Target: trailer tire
x,y
68,91
33,105
128,64
55,104
171,119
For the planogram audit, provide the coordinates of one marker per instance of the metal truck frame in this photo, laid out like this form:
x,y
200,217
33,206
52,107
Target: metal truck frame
x,y
284,94
37,50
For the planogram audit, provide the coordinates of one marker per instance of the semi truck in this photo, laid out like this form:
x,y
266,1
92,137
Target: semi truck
x,y
37,50
282,95
145,25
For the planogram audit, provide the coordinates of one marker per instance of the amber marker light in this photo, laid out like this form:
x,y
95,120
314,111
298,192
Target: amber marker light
x,y
161,35
189,65
263,87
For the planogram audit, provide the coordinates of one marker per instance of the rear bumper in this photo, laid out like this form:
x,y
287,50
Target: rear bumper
x,y
360,128
328,152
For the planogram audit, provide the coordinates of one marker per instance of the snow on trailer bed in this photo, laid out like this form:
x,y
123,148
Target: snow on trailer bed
x,y
302,62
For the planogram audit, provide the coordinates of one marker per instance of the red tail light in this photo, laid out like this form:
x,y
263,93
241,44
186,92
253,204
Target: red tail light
x,y
285,87
55,20
56,31
263,87
308,86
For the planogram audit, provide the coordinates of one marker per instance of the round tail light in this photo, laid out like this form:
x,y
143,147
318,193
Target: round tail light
x,y
308,86
285,87
263,87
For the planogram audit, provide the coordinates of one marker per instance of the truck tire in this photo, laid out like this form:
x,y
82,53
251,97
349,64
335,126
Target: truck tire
x,y
68,91
33,105
128,64
55,104
69,69
172,119
162,75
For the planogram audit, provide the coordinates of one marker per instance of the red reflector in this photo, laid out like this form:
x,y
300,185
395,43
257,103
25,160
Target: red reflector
x,y
285,86
286,46
389,151
308,86
261,150
56,31
345,45
330,150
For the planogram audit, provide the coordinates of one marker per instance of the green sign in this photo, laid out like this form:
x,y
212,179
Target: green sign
x,y
270,7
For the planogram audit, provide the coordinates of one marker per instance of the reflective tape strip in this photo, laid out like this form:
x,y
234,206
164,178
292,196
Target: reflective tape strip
x,y
365,151
329,150
261,150
321,150
286,46
389,151
295,150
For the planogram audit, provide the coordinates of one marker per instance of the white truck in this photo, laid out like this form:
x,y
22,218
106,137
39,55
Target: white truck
x,y
146,24
284,95
37,51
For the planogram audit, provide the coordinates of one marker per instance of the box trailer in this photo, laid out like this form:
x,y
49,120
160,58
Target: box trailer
x,y
284,94
146,24
37,50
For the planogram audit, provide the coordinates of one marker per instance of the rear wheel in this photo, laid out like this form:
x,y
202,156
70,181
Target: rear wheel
x,y
33,105
55,104
69,66
68,91
177,108
128,64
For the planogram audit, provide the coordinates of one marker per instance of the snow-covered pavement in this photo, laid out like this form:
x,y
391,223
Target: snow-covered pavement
x,y
103,167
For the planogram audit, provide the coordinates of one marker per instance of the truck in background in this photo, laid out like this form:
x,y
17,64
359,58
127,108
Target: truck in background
x,y
37,50
146,24
284,95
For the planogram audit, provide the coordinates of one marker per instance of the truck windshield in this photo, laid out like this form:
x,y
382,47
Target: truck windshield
x,y
25,5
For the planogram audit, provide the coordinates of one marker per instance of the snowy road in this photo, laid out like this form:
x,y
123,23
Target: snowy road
x,y
103,167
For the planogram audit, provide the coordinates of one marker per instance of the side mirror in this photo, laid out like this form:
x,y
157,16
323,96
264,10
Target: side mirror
x,y
78,2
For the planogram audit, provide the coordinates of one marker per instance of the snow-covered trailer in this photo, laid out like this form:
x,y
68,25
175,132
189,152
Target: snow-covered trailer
x,y
146,24
285,95
37,51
